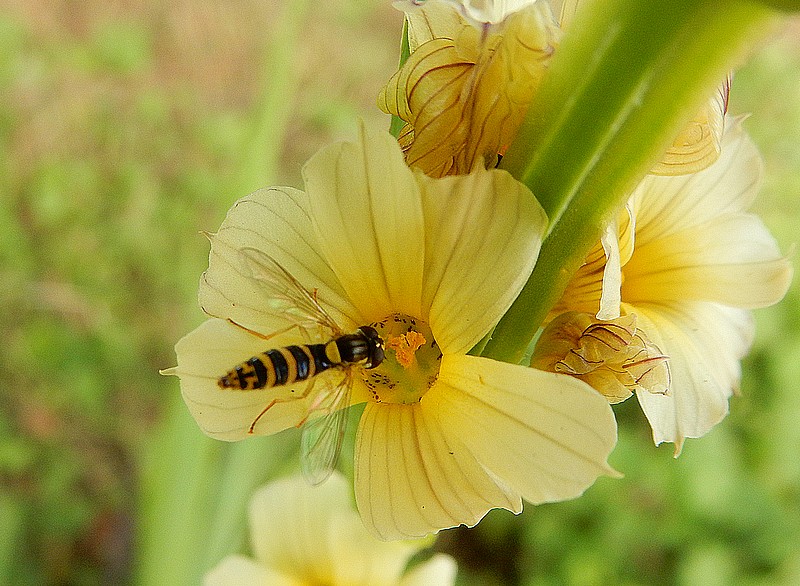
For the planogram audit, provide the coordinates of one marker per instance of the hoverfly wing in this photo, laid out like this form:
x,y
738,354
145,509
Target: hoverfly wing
x,y
321,439
288,292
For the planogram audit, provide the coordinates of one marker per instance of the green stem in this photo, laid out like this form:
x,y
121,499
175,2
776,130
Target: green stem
x,y
280,84
195,490
249,464
180,468
628,75
397,123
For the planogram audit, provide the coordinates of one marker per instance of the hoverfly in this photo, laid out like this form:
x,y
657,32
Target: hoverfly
x,y
321,438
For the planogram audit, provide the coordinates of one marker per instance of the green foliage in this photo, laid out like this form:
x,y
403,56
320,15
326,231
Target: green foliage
x,y
123,135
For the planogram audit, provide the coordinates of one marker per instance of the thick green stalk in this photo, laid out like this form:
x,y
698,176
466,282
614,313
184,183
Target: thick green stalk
x,y
628,75
785,5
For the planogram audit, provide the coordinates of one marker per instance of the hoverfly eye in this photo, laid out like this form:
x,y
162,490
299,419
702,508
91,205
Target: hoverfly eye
x,y
377,355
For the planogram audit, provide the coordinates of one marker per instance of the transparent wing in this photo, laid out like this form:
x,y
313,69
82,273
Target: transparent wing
x,y
290,297
321,440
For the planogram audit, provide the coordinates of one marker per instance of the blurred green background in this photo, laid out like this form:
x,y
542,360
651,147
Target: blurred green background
x,y
128,127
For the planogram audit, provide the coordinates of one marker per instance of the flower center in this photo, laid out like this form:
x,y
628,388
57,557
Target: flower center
x,y
412,361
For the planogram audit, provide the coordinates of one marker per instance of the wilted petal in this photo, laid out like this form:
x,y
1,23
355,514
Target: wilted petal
x,y
414,477
480,12
698,144
427,93
547,436
366,208
613,357
430,20
483,233
663,205
448,90
237,570
705,342
210,351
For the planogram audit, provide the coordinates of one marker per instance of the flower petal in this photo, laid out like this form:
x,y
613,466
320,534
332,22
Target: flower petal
x,y
412,478
440,569
663,205
237,570
547,436
731,259
483,232
610,296
314,534
704,342
211,350
274,221
698,144
365,206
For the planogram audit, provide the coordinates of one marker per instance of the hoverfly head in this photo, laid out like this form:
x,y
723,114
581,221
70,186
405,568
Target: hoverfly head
x,y
376,348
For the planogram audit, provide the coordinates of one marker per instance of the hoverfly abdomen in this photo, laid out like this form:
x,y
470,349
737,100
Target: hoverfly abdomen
x,y
278,367
291,364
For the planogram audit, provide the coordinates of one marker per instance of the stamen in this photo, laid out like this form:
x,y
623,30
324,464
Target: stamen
x,y
405,347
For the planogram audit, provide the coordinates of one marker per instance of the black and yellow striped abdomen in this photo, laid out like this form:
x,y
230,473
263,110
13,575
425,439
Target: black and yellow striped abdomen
x,y
291,364
278,367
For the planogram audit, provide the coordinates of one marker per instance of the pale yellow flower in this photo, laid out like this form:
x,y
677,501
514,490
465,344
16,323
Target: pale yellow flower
x,y
444,436
465,89
689,265
303,535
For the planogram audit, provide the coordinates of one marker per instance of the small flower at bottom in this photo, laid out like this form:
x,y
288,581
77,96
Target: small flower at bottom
x,y
311,535
431,265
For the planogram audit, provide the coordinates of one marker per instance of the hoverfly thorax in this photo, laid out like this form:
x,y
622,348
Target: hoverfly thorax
x,y
374,351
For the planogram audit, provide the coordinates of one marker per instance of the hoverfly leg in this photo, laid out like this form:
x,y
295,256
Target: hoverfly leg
x,y
265,336
319,402
267,408
272,403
